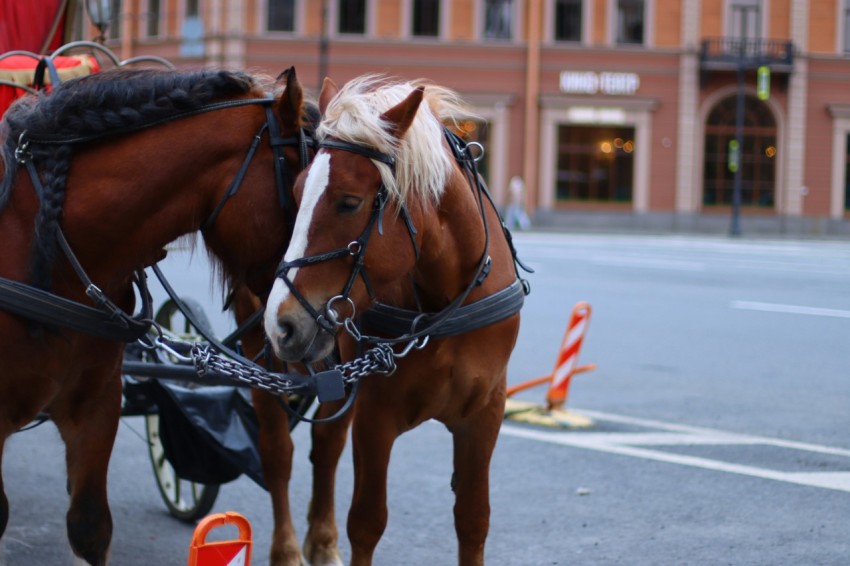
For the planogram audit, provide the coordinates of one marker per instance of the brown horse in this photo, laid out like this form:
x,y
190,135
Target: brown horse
x,y
120,164
393,218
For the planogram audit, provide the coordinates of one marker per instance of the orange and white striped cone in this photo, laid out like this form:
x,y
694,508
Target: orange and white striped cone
x,y
235,552
566,366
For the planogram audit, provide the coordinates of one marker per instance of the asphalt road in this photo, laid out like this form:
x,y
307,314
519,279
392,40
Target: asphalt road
x,y
721,410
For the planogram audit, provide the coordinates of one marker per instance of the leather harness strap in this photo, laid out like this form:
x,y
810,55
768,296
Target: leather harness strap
x,y
107,320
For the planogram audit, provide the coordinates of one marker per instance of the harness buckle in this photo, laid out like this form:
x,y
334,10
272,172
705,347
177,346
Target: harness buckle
x,y
22,151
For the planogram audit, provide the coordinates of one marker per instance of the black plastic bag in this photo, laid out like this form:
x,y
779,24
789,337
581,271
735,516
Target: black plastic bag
x,y
209,433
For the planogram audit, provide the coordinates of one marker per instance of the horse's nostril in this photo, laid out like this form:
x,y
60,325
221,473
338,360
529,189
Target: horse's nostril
x,y
286,330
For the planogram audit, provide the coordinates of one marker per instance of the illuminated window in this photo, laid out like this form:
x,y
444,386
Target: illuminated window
x,y
595,164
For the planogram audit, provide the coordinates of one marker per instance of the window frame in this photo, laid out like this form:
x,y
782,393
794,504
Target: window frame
x,y
409,20
150,21
583,18
515,22
297,18
616,18
367,20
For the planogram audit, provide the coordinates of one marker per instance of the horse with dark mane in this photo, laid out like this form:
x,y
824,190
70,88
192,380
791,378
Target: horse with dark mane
x,y
98,176
398,246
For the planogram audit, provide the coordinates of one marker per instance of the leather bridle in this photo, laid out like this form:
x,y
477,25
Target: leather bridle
x,y
106,320
419,325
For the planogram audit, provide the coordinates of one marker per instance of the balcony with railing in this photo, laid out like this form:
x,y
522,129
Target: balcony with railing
x,y
732,53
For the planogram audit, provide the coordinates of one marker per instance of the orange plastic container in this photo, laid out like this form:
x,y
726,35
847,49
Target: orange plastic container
x,y
221,553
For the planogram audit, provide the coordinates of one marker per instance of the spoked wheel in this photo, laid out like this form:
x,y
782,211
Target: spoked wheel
x,y
186,500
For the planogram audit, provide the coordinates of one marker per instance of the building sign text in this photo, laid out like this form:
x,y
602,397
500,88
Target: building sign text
x,y
588,82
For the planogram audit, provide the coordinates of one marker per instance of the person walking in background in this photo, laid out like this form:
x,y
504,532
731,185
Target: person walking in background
x,y
516,217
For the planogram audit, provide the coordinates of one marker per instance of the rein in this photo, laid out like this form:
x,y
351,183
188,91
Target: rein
x,y
413,327
107,320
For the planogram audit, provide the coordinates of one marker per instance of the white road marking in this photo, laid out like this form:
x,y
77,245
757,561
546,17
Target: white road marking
x,y
789,309
647,263
635,445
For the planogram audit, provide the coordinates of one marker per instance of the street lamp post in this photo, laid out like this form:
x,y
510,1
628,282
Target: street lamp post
x,y
739,138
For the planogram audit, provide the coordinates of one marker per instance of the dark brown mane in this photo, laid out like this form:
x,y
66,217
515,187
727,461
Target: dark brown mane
x,y
96,105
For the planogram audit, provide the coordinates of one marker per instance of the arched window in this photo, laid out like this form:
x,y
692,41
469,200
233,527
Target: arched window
x,y
758,154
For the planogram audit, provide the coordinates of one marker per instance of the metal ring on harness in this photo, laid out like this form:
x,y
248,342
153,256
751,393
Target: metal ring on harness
x,y
354,247
479,154
332,315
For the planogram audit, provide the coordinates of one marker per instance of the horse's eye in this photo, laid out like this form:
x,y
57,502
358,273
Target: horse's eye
x,y
348,204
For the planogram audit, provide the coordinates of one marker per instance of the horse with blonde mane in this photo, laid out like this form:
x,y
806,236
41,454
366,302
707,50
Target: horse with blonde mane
x,y
398,248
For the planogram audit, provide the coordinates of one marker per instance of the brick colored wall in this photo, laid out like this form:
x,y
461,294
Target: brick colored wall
x,y
822,26
668,27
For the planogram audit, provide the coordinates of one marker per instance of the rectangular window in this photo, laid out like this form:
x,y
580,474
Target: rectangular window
x,y
351,16
847,30
498,19
426,18
115,16
745,19
595,164
153,18
568,20
630,22
280,15
192,8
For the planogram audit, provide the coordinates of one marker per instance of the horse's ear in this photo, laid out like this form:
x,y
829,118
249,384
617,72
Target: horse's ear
x,y
401,116
329,90
292,99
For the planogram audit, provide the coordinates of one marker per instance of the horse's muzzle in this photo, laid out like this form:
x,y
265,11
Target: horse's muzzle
x,y
298,338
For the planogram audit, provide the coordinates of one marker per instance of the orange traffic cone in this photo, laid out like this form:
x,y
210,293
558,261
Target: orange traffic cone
x,y
224,553
566,366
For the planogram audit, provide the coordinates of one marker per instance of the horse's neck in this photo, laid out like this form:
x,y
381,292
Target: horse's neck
x,y
455,244
17,221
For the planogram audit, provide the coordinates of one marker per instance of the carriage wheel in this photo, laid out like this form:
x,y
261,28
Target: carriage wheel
x,y
186,500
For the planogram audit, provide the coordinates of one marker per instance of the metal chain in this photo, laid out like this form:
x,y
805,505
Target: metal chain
x,y
378,360
207,362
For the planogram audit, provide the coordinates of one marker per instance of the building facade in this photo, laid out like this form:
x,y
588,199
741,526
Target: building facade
x,y
686,115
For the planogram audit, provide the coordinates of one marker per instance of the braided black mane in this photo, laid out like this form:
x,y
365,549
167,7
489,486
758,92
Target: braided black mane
x,y
97,105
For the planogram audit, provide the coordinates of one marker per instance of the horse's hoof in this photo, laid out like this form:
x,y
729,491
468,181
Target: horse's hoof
x,y
321,557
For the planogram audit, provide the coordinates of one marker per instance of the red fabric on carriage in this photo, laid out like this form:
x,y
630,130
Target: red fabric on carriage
x,y
20,69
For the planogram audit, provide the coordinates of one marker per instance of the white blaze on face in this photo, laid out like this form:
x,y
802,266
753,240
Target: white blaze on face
x,y
314,188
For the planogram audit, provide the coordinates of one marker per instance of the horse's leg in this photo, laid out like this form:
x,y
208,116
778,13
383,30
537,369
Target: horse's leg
x,y
276,457
372,441
321,545
87,418
474,440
